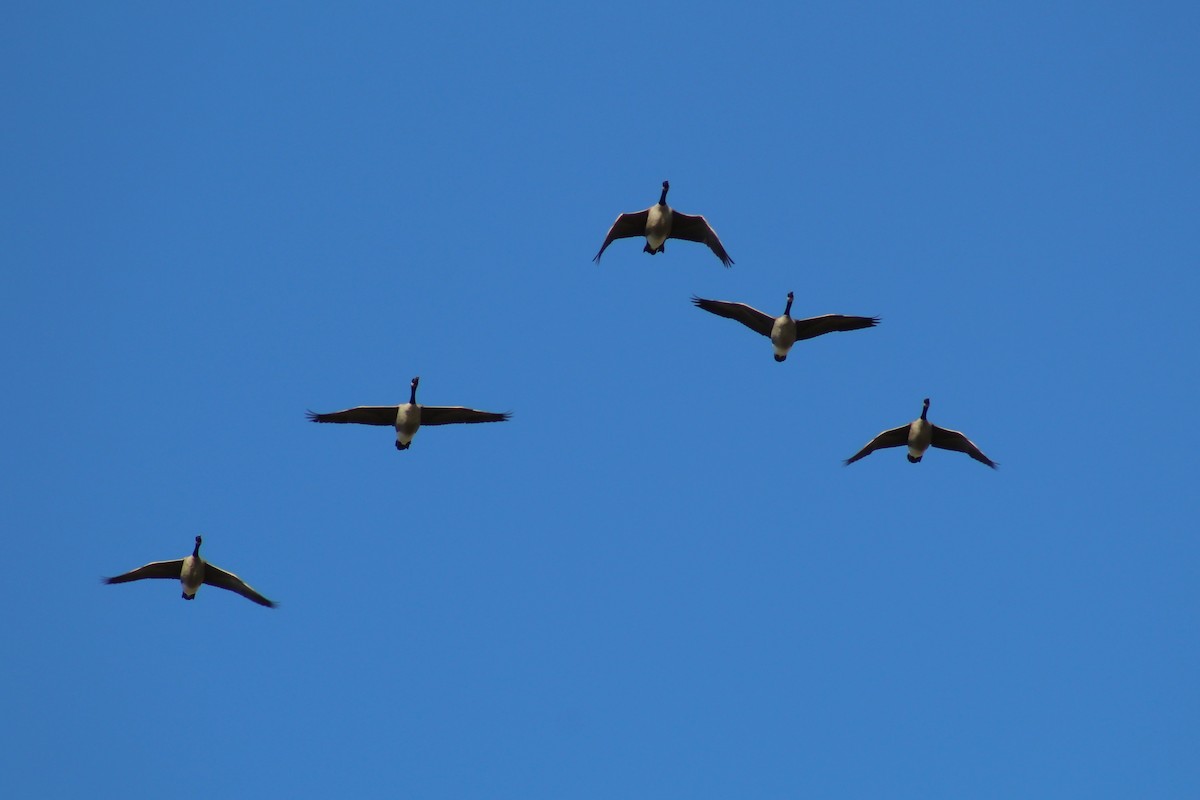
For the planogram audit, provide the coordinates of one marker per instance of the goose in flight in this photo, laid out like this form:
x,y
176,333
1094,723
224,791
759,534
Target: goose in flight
x,y
660,222
193,571
920,435
407,417
783,331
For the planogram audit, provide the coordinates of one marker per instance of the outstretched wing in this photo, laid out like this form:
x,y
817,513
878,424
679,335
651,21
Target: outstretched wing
x,y
954,440
631,224
363,415
695,228
215,576
155,569
752,318
893,438
448,415
831,323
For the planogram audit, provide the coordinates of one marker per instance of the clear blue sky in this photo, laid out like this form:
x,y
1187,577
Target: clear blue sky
x,y
657,580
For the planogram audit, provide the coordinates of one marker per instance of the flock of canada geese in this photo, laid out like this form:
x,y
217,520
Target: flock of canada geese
x,y
657,223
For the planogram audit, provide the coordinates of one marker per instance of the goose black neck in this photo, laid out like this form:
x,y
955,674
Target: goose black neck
x,y
787,312
662,200
412,396
925,408
196,549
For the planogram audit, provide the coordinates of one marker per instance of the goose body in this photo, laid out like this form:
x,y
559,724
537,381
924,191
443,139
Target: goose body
x,y
660,222
658,227
783,334
919,435
193,572
784,331
408,417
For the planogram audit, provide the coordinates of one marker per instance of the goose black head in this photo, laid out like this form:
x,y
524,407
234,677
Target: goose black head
x,y
787,311
924,407
196,549
662,201
412,396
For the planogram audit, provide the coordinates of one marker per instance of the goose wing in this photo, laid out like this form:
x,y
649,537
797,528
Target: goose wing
x,y
954,440
447,415
831,323
630,224
695,228
893,438
215,576
363,415
752,318
155,569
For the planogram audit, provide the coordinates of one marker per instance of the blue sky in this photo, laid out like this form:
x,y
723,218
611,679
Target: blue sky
x,y
657,580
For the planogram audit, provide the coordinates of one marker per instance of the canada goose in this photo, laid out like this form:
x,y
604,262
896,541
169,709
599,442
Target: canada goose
x,y
783,331
660,222
407,417
920,435
192,572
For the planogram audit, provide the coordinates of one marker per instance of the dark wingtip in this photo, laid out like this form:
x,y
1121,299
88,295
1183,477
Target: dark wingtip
x,y
312,416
